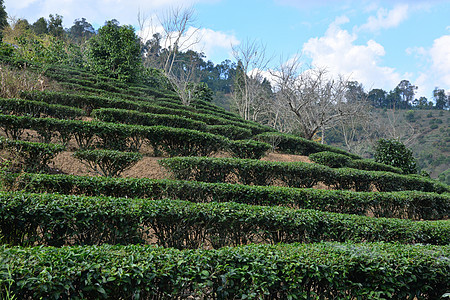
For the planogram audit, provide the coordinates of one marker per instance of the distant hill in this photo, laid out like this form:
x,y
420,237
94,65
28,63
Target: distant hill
x,y
425,132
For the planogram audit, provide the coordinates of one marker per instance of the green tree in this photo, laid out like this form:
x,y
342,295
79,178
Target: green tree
x,y
406,92
395,153
377,97
115,52
440,98
40,26
55,27
3,19
81,30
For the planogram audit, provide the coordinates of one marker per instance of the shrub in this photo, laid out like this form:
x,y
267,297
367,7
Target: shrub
x,y
248,149
108,162
32,157
395,153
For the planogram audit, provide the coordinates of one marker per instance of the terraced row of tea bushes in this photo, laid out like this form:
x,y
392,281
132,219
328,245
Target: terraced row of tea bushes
x,y
311,271
30,156
296,174
89,103
146,119
173,141
291,144
102,83
37,109
407,204
99,83
336,160
53,219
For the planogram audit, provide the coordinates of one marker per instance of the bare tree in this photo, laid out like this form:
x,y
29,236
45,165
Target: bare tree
x,y
172,33
317,100
249,95
176,23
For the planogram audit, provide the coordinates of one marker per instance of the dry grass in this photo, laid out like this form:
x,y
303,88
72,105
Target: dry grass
x,y
14,81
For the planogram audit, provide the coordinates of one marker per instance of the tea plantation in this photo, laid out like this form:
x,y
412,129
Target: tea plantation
x,y
228,226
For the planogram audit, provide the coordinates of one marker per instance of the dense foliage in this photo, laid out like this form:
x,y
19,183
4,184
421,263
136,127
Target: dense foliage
x,y
115,52
324,270
395,153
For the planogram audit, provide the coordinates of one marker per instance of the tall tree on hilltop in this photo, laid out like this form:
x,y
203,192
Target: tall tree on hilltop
x,y
406,92
3,18
377,98
55,27
81,30
40,26
440,98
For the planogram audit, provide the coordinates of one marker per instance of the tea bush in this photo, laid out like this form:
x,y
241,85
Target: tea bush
x,y
108,162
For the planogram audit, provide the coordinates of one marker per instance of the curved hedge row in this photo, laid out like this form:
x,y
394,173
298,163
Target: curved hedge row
x,y
38,108
89,103
122,137
52,219
408,204
291,144
146,119
230,131
173,141
336,160
325,271
296,174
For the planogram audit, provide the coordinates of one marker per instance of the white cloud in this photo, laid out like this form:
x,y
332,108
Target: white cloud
x,y
387,18
437,72
95,12
338,52
212,43
216,45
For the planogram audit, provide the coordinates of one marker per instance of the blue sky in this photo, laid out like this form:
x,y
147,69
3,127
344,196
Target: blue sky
x,y
378,43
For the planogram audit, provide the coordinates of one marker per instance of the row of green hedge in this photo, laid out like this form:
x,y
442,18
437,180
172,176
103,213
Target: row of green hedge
x,y
291,144
171,141
146,119
89,103
30,156
151,119
294,174
53,219
312,271
407,204
38,109
336,160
